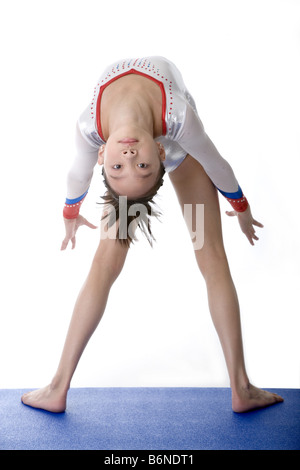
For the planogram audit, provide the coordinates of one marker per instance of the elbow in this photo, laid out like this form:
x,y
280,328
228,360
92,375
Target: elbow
x,y
75,179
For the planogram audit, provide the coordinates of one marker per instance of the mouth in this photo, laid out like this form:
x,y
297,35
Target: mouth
x,y
128,140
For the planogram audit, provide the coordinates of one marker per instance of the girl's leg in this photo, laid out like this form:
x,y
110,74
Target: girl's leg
x,y
88,311
193,186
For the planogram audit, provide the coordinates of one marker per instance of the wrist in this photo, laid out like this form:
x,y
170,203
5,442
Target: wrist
x,y
239,205
72,207
71,211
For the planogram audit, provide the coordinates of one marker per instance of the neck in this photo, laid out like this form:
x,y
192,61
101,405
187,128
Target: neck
x,y
131,112
130,118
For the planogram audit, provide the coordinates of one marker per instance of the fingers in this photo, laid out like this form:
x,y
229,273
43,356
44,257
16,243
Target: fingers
x,y
250,240
251,235
88,224
64,244
82,221
247,224
258,224
231,213
71,232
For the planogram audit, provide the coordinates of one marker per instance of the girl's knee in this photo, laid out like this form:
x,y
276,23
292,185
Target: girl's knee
x,y
211,259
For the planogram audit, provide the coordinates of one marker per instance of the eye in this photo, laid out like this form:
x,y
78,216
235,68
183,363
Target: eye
x,y
142,165
116,167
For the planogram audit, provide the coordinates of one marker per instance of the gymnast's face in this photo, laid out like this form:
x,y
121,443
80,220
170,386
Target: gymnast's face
x,y
131,164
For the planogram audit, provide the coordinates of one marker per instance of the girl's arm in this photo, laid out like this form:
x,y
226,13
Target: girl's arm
x,y
197,143
80,175
78,182
194,139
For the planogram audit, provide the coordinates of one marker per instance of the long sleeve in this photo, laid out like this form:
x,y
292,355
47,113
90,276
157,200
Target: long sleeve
x,y
194,140
79,176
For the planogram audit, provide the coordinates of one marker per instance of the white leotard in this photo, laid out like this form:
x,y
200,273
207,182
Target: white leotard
x,y
183,131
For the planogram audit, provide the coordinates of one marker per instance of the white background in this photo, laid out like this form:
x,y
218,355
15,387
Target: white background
x,y
240,60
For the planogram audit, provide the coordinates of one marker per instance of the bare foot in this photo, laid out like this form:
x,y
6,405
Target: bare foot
x,y
46,398
250,398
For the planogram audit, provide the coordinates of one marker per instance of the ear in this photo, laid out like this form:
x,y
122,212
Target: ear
x,y
161,151
101,155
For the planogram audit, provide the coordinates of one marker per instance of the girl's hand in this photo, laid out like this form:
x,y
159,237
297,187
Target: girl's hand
x,y
246,222
72,226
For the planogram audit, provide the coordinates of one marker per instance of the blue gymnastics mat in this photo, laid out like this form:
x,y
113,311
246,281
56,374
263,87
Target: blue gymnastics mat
x,y
149,419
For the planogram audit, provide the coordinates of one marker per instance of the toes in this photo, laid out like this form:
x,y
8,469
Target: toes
x,y
23,397
278,397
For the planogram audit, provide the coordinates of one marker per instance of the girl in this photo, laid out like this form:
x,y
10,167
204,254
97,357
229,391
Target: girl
x,y
141,123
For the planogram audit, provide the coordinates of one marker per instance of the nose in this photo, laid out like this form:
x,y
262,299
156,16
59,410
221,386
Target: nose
x,y
129,152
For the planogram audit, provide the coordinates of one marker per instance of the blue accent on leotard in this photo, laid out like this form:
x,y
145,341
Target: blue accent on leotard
x,y
74,201
237,195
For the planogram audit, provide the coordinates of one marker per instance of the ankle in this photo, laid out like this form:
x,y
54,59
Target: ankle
x,y
58,384
242,384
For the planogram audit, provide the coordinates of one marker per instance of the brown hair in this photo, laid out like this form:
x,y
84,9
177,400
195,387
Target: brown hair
x,y
113,199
